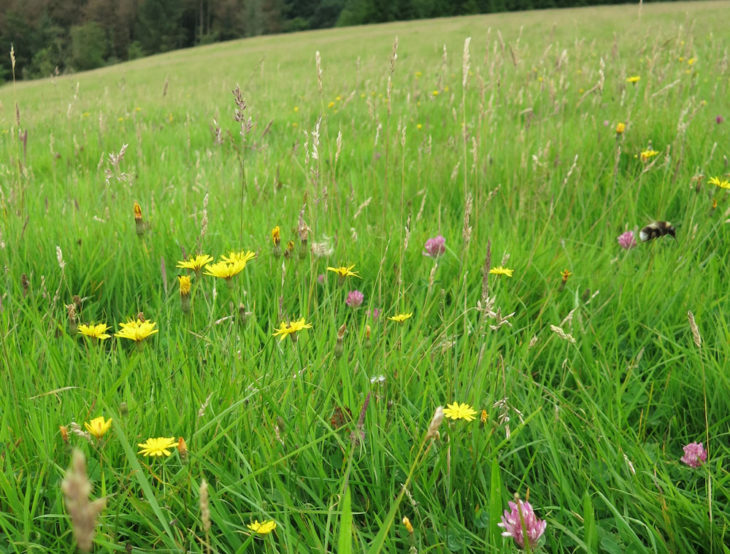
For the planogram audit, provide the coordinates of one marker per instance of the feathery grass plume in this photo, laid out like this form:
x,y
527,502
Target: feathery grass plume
x,y
203,222
436,421
303,231
466,231
76,488
318,63
562,334
205,506
695,330
389,87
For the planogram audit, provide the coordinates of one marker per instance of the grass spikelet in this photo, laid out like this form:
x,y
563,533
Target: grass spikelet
x,y
76,488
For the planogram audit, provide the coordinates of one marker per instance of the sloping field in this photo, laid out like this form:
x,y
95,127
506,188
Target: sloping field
x,y
443,213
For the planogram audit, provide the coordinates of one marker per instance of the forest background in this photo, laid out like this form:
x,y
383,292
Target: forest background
x,y
61,36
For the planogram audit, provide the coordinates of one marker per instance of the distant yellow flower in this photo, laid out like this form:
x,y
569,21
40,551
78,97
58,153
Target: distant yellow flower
x,y
691,61
136,330
291,329
419,126
407,524
400,318
633,79
418,74
501,271
620,128
647,155
98,427
296,108
344,271
137,211
242,256
161,446
263,528
723,184
197,263
225,270
460,411
483,417
98,331
565,274
331,105
276,235
435,93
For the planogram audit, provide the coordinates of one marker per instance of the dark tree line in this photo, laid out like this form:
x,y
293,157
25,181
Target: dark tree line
x,y
52,36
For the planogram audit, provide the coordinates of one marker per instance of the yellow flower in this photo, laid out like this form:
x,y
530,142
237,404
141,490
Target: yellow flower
x,y
691,61
483,417
263,528
419,126
407,524
98,427
276,235
565,274
647,155
137,211
435,93
136,330
242,256
723,184
95,331
331,105
184,285
160,446
296,108
225,270
343,271
501,271
620,128
460,411
196,264
400,318
291,329
633,79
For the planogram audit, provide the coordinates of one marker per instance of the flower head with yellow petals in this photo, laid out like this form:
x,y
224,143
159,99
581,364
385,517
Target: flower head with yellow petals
x,y
460,411
136,330
161,446
98,426
291,329
98,331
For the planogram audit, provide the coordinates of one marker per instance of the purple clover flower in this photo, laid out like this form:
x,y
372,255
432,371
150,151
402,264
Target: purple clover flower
x,y
513,519
435,247
627,240
694,454
354,299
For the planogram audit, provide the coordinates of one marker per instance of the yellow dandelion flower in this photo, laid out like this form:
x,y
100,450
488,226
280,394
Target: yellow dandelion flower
x,y
722,183
501,271
483,417
691,61
98,331
196,264
331,105
460,411
647,155
344,271
291,329
184,285
620,128
136,330
400,318
296,108
263,528
276,235
98,426
242,256
633,79
435,93
225,270
161,446
565,274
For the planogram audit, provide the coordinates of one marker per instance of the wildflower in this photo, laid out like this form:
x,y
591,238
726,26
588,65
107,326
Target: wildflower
x,y
627,240
242,256
483,417
289,249
98,331
565,274
435,93
184,285
276,235
321,278
138,222
722,183
633,79
161,446
263,528
460,411
344,271
694,454
136,330
196,264
354,299
501,271
620,128
291,329
647,155
225,270
331,105
719,119
64,433
368,332
435,247
407,525
521,515
182,448
400,318
374,313
98,427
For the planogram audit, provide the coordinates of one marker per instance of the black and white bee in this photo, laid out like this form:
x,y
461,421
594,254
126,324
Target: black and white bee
x,y
656,230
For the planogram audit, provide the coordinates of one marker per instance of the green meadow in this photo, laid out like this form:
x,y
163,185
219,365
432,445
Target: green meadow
x,y
583,374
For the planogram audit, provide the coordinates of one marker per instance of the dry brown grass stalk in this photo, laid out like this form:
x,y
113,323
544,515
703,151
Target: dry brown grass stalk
x,y
76,488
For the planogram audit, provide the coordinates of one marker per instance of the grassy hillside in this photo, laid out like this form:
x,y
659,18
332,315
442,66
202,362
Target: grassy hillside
x,y
581,367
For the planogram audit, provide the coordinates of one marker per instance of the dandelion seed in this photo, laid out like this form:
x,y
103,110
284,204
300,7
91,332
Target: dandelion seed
x,y
519,516
158,447
694,454
98,427
458,410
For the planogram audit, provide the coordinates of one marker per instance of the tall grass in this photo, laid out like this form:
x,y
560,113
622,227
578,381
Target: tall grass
x,y
585,390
